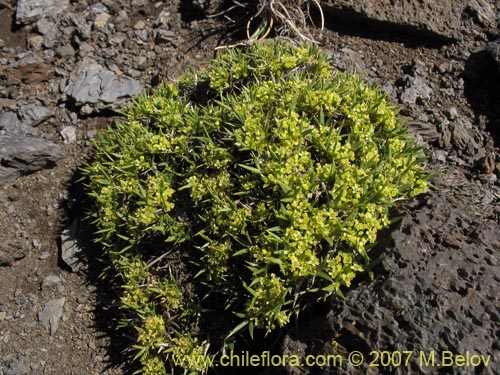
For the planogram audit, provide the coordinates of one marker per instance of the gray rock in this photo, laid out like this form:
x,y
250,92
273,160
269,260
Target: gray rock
x,y
10,124
50,40
468,140
162,20
415,89
69,134
441,19
83,28
34,114
122,16
51,281
439,156
21,155
24,122
44,255
426,130
349,60
482,11
92,84
445,132
200,5
452,113
45,26
20,366
50,315
65,51
31,10
164,36
71,252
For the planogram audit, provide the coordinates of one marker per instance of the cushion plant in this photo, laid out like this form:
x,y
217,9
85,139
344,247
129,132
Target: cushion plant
x,y
255,187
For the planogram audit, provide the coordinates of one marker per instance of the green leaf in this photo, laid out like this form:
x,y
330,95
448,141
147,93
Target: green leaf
x,y
250,329
251,169
285,188
237,329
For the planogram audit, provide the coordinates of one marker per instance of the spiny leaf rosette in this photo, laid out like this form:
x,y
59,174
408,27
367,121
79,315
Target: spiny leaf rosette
x,y
269,174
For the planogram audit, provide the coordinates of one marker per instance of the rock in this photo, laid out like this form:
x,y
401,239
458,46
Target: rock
x,y
426,130
493,49
349,60
165,36
101,20
83,28
199,5
21,366
31,10
65,51
12,251
139,25
50,40
440,20
415,90
21,155
51,281
22,123
91,83
51,314
36,42
10,124
445,132
45,26
452,113
69,134
483,12
34,114
467,139
71,252
439,156
98,8
44,255
162,20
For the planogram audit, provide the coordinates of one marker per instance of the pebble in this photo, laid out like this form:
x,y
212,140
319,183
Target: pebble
x,y
51,281
31,10
51,314
415,90
65,51
68,133
44,255
45,26
71,252
452,113
101,20
139,25
36,42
